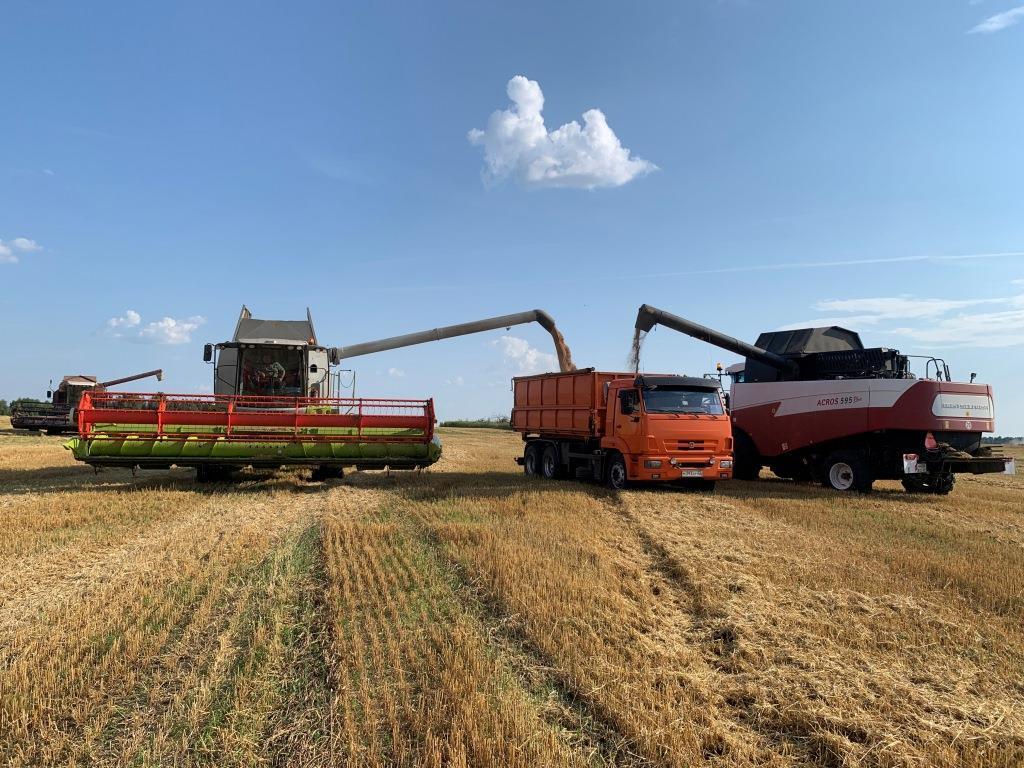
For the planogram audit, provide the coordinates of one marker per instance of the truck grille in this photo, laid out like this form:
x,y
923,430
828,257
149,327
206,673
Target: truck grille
x,y
689,445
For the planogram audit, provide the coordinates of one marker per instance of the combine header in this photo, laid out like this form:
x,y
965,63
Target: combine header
x,y
214,433
814,403
272,406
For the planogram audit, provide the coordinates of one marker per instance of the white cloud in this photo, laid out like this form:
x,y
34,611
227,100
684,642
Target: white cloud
x,y
517,144
170,331
524,358
455,381
129,319
999,21
398,373
26,244
934,322
22,244
47,172
167,330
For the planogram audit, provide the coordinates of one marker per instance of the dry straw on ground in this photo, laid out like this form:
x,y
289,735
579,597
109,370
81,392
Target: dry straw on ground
x,y
472,616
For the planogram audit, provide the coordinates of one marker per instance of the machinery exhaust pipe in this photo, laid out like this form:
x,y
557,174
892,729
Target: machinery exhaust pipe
x,y
538,316
649,316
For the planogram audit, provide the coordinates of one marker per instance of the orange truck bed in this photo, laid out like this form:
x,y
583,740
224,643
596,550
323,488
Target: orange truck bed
x,y
569,404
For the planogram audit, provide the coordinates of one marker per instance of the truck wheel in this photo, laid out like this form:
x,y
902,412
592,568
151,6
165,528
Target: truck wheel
x,y
550,465
615,474
938,484
746,461
847,471
531,459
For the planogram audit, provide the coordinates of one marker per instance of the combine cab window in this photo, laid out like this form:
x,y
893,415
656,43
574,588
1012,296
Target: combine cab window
x,y
270,371
681,400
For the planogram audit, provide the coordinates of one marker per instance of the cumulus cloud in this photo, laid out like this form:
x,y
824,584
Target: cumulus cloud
x,y
8,250
129,319
518,145
167,330
931,322
398,373
523,358
455,381
999,21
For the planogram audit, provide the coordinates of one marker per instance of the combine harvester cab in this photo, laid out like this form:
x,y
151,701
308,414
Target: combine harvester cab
x,y
218,433
814,403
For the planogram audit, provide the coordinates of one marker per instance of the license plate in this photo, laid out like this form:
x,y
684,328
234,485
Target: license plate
x,y
692,473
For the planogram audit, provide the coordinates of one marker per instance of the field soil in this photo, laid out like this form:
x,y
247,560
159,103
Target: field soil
x,y
471,616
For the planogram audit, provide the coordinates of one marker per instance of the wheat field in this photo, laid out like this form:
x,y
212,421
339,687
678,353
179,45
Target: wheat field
x,y
471,616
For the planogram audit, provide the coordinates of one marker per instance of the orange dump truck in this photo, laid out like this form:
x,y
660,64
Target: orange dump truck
x,y
623,427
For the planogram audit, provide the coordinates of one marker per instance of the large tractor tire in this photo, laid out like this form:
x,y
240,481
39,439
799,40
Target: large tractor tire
x,y
847,471
937,484
615,475
746,461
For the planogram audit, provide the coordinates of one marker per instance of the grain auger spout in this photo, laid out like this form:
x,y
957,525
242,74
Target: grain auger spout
x,y
538,316
158,373
647,317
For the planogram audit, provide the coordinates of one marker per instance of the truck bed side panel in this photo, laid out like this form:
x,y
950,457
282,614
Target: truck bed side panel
x,y
567,405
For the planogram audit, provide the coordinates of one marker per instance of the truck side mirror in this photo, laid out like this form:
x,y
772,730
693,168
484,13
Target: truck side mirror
x,y
207,353
49,394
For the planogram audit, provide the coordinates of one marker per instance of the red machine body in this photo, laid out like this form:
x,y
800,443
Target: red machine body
x,y
786,416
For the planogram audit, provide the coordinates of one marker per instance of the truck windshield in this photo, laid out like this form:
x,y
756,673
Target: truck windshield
x,y
682,400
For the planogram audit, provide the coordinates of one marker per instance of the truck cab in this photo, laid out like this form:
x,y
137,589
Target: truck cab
x,y
669,428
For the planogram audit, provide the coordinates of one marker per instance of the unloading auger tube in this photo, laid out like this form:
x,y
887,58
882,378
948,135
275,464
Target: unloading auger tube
x,y
649,316
477,326
159,373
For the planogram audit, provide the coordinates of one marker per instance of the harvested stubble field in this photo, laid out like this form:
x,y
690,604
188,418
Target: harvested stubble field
x,y
472,616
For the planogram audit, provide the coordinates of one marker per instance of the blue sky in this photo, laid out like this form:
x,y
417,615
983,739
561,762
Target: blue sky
x,y
813,161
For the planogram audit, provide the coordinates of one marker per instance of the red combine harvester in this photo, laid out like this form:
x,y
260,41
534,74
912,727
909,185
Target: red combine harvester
x,y
813,403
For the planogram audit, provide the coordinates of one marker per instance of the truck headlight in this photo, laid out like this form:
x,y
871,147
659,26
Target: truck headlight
x,y
653,463
725,463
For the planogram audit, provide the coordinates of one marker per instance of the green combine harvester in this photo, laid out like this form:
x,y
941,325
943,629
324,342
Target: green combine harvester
x,y
274,404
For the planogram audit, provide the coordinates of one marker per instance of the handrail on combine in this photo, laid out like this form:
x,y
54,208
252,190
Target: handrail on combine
x,y
254,419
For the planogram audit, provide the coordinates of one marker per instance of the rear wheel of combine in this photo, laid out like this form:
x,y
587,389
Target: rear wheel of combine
x,y
847,471
531,459
550,466
615,474
937,484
